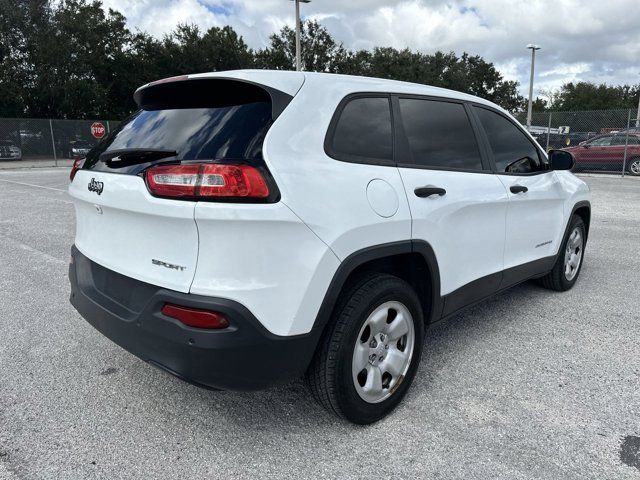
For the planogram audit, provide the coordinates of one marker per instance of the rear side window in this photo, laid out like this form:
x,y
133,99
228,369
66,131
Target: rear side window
x,y
621,140
363,131
513,152
439,134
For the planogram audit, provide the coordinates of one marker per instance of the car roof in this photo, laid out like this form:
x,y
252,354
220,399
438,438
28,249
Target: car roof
x,y
615,134
291,81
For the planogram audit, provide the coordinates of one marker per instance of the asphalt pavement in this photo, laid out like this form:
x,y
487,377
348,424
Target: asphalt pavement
x,y
530,384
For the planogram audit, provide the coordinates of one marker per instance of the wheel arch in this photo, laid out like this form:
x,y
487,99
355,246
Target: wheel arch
x,y
412,260
583,210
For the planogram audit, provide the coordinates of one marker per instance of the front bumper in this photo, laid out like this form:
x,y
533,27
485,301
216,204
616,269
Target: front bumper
x,y
244,356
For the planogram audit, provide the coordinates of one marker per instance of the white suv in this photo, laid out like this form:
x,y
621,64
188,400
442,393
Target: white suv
x,y
245,228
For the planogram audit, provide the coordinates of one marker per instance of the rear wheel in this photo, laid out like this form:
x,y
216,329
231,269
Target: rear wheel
x,y
567,267
367,360
634,166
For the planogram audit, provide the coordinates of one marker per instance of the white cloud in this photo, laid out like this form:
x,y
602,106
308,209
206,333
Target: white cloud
x,y
581,39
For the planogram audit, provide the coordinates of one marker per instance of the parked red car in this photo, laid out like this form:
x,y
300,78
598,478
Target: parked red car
x,y
606,152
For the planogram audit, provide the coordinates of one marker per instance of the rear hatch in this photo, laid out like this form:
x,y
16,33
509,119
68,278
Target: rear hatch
x,y
136,191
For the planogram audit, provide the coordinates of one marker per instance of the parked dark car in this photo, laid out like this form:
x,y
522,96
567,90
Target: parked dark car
x,y
606,152
9,150
558,141
79,149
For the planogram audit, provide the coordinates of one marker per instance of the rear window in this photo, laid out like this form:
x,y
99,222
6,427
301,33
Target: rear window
x,y
363,131
233,132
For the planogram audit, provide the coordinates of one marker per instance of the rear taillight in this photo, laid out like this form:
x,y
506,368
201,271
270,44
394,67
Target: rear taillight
x,y
207,181
196,318
77,165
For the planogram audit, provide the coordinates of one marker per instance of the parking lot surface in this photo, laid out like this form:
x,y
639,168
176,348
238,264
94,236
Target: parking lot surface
x,y
529,384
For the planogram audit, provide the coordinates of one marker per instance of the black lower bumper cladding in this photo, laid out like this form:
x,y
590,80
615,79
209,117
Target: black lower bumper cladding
x,y
244,356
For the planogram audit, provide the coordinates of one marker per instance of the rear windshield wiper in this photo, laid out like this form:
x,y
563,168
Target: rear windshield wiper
x,y
132,156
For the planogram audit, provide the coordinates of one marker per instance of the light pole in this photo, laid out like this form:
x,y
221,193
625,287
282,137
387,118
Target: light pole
x,y
533,49
298,66
638,114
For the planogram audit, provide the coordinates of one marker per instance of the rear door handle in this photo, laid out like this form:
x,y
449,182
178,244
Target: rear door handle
x,y
518,189
424,192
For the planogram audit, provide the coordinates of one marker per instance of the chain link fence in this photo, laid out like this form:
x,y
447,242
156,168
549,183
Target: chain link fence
x,y
600,140
48,139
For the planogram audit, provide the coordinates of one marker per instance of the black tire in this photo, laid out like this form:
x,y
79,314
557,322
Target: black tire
x,y
330,374
556,278
633,166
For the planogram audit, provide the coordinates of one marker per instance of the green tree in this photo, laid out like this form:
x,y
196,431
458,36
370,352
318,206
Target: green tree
x,y
319,51
188,50
73,59
591,96
22,24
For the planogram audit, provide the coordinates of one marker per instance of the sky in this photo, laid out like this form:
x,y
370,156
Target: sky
x,y
592,40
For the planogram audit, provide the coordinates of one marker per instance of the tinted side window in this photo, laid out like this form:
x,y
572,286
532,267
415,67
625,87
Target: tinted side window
x,y
512,150
364,130
620,140
601,142
439,134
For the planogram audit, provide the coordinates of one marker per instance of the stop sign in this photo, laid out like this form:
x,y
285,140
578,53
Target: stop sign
x,y
97,130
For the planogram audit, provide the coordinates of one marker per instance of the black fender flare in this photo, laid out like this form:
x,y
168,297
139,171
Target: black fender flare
x,y
578,205
376,252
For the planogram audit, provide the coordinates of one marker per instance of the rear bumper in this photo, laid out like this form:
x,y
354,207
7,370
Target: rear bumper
x,y
244,356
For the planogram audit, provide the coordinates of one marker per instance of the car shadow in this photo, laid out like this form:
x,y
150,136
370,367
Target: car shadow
x,y
292,405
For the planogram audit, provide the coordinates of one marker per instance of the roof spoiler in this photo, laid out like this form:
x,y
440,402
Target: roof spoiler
x,y
185,92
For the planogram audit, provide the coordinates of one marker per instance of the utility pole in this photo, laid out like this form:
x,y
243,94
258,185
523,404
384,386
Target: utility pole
x,y
533,49
298,62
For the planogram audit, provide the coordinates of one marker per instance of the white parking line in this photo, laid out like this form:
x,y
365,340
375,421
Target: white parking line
x,y
32,185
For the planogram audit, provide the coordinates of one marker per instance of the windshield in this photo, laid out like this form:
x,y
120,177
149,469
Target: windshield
x,y
229,132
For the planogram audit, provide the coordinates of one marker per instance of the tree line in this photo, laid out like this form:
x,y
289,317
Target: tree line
x,y
73,59
574,96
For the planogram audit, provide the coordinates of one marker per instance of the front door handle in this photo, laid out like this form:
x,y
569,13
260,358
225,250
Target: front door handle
x,y
518,189
424,192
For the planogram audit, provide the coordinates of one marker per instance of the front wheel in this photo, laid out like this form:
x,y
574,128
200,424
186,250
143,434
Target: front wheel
x,y
567,267
369,355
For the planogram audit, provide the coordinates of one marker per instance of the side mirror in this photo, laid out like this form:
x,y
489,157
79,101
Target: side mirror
x,y
561,160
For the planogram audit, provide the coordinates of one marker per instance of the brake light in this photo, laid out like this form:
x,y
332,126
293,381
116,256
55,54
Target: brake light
x,y
169,80
77,165
207,180
192,317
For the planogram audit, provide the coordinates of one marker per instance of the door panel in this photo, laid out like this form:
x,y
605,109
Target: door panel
x,y
595,152
463,219
592,155
534,218
465,226
536,200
